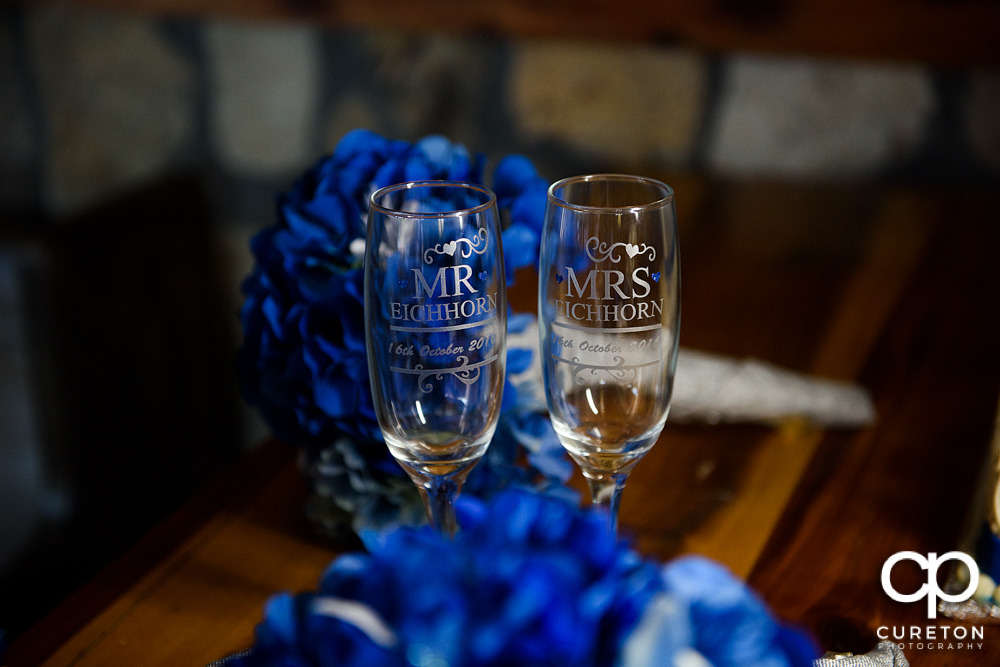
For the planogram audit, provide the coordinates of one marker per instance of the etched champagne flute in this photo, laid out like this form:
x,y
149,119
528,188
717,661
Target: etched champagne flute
x,y
609,316
436,331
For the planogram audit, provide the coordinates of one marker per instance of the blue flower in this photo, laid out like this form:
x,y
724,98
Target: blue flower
x,y
520,189
303,362
528,580
705,609
303,358
520,248
514,177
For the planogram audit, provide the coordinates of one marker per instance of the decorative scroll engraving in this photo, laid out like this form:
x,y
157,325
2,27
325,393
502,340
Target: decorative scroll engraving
x,y
619,373
463,373
465,247
600,251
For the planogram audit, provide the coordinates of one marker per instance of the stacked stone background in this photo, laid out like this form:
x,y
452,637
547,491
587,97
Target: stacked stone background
x,y
93,104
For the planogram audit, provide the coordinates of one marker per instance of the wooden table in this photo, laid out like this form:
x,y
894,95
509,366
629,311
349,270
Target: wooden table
x,y
896,288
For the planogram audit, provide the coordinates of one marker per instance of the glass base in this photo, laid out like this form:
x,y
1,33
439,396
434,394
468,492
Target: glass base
x,y
440,489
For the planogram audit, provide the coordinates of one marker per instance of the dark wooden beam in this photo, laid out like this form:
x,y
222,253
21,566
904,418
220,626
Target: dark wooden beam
x,y
951,34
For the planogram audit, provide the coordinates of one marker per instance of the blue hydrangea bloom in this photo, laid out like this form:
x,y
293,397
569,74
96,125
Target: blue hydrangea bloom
x,y
529,580
704,608
522,191
303,361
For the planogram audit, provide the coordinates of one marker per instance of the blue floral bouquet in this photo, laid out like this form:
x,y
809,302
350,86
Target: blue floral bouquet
x,y
303,362
529,580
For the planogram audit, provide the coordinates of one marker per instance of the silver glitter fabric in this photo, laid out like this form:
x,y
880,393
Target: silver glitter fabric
x,y
229,659
886,654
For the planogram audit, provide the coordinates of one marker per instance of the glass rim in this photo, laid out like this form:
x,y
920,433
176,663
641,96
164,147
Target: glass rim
x,y
659,203
413,185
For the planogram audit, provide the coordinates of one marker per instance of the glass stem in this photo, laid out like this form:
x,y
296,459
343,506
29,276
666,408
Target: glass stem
x,y
606,492
439,495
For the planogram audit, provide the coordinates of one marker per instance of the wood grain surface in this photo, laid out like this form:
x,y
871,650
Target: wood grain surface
x,y
896,288
200,600
905,484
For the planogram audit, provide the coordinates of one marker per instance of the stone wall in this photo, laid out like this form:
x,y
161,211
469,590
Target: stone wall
x,y
96,103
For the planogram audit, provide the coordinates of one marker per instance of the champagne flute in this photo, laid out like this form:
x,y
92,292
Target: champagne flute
x,y
436,331
609,317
